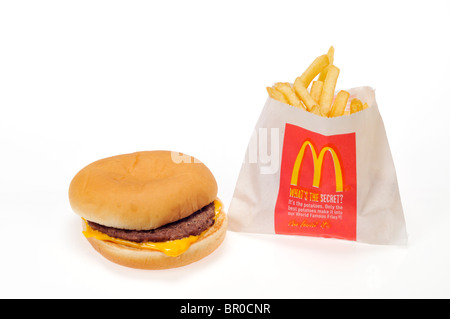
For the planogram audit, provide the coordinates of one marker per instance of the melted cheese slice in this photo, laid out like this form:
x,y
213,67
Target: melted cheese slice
x,y
171,248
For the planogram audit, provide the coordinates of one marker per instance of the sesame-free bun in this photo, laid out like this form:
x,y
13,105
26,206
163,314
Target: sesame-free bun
x,y
142,190
152,259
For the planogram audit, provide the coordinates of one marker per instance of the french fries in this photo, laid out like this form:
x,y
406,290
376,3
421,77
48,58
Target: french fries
x,y
286,89
329,85
355,106
314,69
320,99
340,102
277,95
330,55
304,94
316,90
316,110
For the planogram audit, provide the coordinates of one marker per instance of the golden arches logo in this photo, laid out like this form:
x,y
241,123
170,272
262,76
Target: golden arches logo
x,y
317,161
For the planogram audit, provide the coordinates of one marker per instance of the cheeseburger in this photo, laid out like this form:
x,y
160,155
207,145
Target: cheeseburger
x,y
149,210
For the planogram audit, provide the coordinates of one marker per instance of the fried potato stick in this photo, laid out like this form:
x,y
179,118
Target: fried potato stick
x,y
276,95
330,55
340,102
355,106
286,89
316,110
329,86
314,69
316,90
304,95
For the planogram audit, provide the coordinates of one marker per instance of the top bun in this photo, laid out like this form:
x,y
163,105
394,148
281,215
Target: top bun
x,y
143,190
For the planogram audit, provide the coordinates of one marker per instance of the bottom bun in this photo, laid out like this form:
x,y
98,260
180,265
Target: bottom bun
x,y
152,259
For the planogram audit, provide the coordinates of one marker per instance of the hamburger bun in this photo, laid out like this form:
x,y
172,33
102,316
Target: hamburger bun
x,y
147,192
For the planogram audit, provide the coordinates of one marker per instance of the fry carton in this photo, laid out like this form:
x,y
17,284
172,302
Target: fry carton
x,y
310,175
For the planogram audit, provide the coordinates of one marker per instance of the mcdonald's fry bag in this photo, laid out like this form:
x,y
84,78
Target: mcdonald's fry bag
x,y
326,177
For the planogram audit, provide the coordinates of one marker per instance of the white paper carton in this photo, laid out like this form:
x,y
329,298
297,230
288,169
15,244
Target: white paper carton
x,y
327,177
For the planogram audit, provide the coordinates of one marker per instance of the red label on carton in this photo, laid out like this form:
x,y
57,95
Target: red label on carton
x,y
317,195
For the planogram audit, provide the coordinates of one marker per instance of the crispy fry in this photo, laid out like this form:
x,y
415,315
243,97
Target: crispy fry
x,y
340,102
316,90
329,86
276,95
304,95
320,99
286,89
314,69
330,55
316,110
355,106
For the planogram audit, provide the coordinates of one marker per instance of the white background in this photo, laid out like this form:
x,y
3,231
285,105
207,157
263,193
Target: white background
x,y
83,80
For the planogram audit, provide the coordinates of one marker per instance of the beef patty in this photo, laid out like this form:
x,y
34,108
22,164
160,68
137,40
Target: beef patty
x,y
193,225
